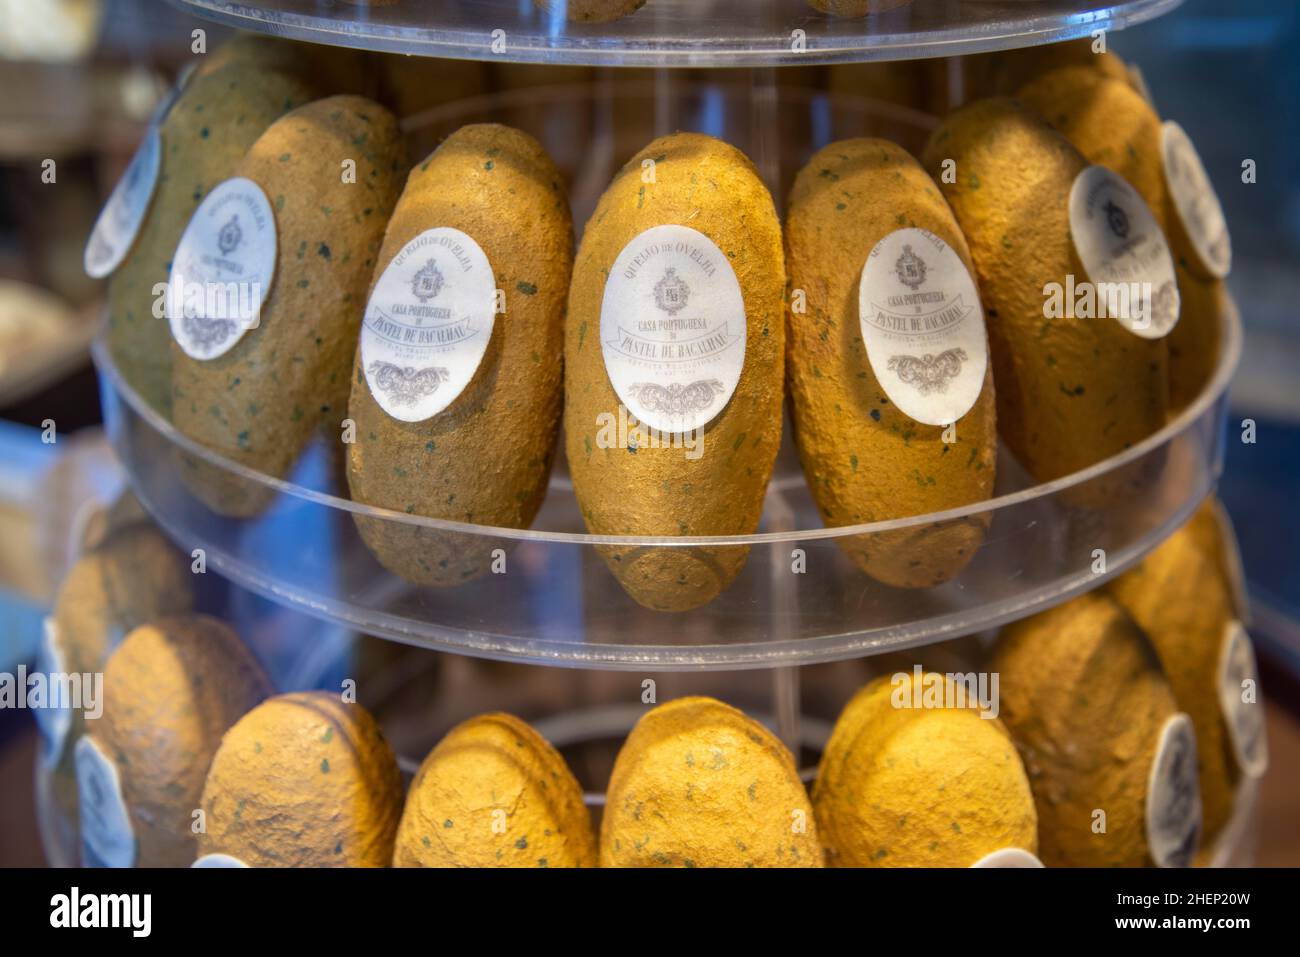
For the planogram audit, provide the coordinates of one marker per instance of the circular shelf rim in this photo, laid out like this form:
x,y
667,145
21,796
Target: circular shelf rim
x,y
589,46
746,656
1229,357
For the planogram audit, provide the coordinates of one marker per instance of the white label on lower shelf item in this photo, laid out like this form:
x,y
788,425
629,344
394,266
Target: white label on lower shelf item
x,y
1240,702
428,324
672,329
923,326
107,839
1124,253
218,860
1173,805
53,722
1008,857
1195,201
120,220
222,270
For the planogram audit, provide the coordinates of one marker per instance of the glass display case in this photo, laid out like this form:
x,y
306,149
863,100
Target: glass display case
x,y
596,632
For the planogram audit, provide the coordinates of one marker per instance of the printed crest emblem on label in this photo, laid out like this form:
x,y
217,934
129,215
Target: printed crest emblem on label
x,y
107,839
1117,219
427,282
1195,200
671,293
911,269
222,270
1173,805
428,324
923,326
218,860
673,329
1124,253
1244,719
231,235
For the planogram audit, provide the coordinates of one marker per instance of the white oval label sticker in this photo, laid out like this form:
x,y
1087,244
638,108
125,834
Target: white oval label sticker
x,y
1124,254
1008,857
1243,711
107,839
53,721
120,220
1195,201
672,329
428,324
222,270
218,860
923,326
1173,805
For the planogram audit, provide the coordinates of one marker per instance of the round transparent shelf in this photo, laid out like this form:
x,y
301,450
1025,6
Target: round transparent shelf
x,y
683,33
797,600
558,602
1235,846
